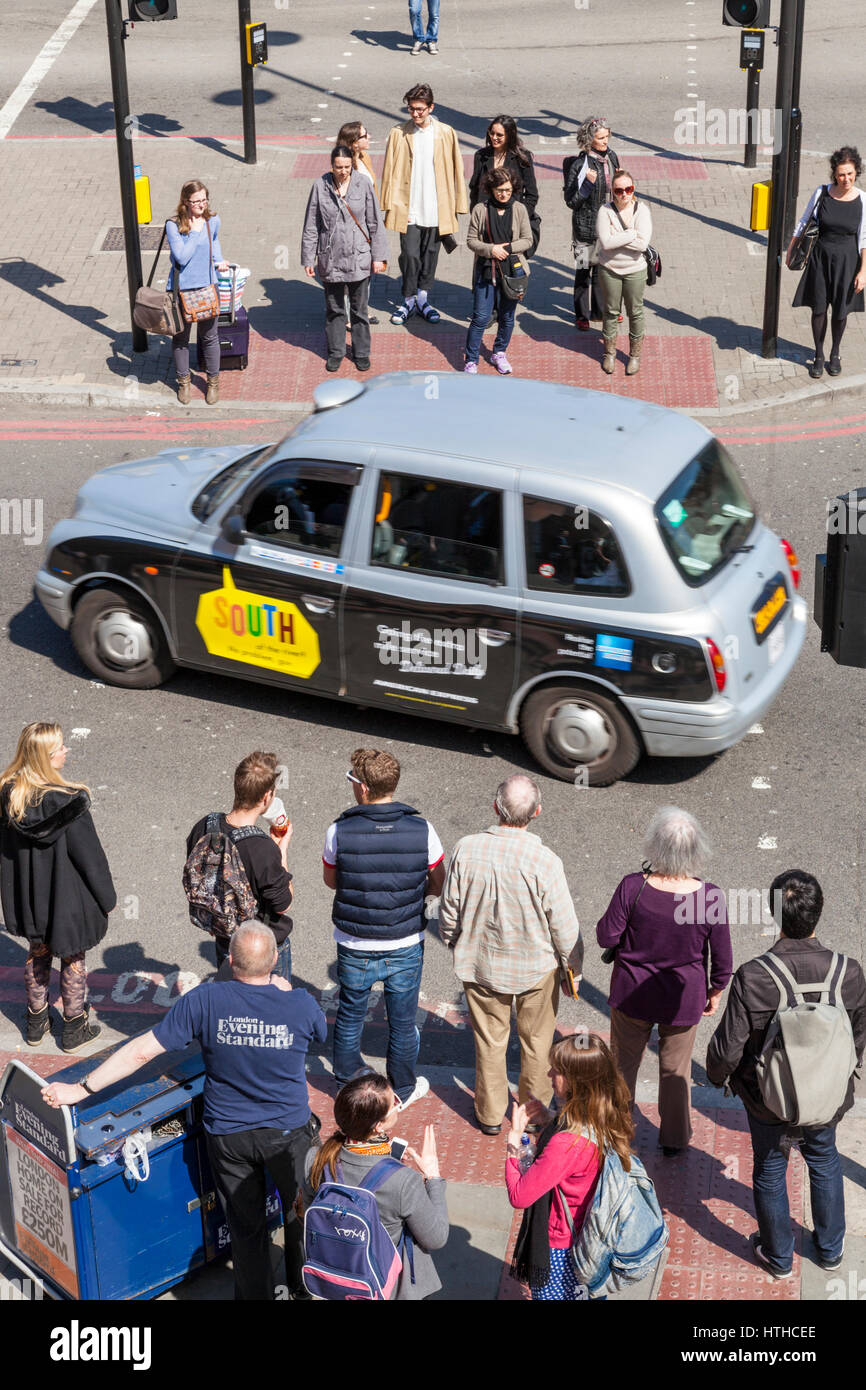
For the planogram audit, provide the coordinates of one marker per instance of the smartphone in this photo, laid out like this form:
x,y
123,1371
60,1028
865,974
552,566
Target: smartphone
x,y
398,1148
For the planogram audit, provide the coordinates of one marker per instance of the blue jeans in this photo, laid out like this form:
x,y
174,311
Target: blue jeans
x,y
284,957
400,972
486,297
432,33
818,1147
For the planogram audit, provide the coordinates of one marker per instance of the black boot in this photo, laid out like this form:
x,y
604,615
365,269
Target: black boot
x,y
78,1031
37,1026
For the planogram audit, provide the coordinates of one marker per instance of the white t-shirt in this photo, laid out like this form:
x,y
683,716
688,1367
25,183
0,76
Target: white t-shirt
x,y
423,203
435,855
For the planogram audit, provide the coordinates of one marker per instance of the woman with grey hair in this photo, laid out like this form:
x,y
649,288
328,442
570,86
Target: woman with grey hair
x,y
667,930
588,179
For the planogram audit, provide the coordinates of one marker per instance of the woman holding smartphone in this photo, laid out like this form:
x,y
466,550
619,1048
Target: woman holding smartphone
x,y
366,1111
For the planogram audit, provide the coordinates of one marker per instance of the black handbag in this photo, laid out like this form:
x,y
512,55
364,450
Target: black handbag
x,y
514,271
608,956
802,245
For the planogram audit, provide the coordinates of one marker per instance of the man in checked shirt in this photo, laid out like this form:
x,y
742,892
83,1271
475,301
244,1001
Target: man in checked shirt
x,y
507,914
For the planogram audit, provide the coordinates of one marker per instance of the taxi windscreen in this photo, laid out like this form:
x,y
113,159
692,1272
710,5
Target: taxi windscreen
x,y
705,515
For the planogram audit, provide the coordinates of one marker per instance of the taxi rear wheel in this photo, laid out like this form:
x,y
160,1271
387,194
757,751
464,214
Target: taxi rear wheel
x,y
120,640
578,734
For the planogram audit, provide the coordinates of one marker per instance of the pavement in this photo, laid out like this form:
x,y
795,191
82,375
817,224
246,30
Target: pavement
x,y
64,300
705,1193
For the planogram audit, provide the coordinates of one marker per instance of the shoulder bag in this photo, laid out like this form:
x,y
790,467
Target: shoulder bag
x,y
514,271
157,311
802,245
609,956
203,303
364,234
651,255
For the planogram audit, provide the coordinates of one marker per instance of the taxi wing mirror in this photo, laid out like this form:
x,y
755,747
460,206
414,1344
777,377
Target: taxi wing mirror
x,y
232,529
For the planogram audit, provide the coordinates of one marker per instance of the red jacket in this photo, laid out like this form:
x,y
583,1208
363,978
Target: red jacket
x,y
569,1161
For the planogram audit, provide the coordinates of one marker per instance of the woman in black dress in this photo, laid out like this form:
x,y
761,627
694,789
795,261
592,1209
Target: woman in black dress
x,y
505,150
835,276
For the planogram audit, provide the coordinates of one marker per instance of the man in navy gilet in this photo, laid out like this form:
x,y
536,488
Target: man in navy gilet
x,y
382,859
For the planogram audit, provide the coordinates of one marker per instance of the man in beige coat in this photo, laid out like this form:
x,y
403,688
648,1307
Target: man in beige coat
x,y
423,190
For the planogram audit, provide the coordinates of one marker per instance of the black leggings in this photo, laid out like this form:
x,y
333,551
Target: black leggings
x,y
819,332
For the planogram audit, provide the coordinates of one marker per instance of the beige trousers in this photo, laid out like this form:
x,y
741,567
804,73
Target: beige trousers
x,y
628,1040
490,1014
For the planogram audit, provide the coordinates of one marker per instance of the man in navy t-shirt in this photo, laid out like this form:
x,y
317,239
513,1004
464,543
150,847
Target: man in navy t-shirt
x,y
254,1032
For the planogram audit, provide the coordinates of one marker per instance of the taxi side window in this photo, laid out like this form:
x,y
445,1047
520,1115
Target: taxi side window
x,y
439,528
571,550
303,507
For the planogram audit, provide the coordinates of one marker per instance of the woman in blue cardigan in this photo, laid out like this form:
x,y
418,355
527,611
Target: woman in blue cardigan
x,y
196,255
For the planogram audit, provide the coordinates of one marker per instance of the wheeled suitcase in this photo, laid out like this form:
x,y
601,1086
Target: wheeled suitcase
x,y
234,337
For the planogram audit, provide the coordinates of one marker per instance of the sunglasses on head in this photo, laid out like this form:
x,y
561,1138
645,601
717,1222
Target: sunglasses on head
x,y
624,188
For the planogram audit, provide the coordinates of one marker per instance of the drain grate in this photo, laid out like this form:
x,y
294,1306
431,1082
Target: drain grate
x,y
148,236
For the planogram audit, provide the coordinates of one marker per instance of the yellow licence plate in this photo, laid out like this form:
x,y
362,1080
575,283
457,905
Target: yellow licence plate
x,y
762,618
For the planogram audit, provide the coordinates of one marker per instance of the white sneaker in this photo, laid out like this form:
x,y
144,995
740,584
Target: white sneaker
x,y
416,48
432,48
422,1086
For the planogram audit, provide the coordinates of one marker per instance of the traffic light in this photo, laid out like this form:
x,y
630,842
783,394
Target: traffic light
x,y
746,14
142,10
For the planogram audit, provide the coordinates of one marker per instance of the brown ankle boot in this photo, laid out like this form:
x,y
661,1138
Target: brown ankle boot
x,y
183,390
634,346
609,361
213,390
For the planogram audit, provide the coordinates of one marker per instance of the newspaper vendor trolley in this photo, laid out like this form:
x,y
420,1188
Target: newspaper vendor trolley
x,y
72,1217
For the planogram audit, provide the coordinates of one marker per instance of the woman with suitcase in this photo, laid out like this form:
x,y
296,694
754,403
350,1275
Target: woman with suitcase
x,y
196,256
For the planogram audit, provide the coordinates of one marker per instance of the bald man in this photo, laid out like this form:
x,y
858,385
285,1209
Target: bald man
x,y
254,1031
507,915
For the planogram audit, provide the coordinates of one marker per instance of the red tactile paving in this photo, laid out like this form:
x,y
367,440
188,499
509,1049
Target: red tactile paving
x,y
675,371
648,168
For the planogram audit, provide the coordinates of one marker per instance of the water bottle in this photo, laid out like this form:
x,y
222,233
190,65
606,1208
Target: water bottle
x,y
527,1152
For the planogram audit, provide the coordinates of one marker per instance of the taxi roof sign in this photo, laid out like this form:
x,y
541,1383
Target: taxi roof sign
x,y
334,393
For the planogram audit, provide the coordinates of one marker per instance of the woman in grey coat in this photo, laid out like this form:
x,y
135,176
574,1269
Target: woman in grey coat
x,y
343,243
366,1111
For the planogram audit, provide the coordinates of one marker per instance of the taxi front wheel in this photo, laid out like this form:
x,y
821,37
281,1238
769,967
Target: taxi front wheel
x,y
578,735
119,639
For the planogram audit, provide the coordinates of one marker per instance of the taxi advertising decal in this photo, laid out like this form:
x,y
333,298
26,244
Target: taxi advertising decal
x,y
258,631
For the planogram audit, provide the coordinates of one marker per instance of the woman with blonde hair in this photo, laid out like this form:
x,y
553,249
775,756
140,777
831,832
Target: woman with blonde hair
x,y
593,1115
196,256
55,884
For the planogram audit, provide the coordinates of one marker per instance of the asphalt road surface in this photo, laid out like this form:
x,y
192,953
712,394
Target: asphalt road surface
x,y
157,760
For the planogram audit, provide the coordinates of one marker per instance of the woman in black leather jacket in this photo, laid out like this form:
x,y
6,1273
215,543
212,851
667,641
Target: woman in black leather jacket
x,y
503,149
588,178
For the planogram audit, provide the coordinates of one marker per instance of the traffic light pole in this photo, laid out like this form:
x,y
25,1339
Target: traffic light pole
x,y
123,133
248,91
797,123
778,213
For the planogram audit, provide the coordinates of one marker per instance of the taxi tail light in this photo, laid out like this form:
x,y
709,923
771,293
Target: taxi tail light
x,y
793,562
717,661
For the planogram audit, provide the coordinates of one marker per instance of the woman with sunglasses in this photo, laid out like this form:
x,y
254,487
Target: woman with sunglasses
x,y
193,238
55,884
624,230
505,150
588,178
355,136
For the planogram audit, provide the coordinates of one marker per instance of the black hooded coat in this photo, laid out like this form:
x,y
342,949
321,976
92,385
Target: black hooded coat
x,y
55,883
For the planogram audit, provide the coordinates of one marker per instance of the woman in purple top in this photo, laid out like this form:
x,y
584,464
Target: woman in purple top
x,y
673,961
193,237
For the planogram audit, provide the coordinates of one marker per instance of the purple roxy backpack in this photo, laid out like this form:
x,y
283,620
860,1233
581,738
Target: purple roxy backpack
x,y
348,1254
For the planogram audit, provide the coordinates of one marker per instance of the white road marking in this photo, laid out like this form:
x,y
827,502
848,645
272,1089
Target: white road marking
x,y
755,729
767,842
42,64
760,784
79,733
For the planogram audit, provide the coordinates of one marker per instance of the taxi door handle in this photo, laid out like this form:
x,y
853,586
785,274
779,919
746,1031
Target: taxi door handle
x,y
491,637
316,604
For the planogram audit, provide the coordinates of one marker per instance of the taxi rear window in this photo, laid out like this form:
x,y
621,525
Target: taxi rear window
x,y
571,550
705,515
438,528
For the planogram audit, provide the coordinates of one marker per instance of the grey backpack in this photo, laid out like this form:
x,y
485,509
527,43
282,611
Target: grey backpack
x,y
808,1055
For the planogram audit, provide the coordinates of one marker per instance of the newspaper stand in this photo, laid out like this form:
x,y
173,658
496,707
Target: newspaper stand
x,y
72,1219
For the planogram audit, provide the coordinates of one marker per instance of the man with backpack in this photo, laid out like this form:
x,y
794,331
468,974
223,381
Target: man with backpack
x,y
789,1051
235,871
